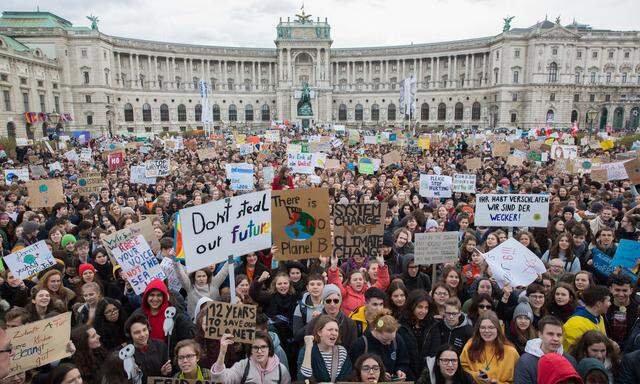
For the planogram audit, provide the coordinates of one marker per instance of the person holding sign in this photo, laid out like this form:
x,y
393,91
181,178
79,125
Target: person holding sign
x,y
150,355
283,180
261,367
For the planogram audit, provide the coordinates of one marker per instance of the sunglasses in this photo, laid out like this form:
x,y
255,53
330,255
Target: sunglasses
x,y
484,306
332,301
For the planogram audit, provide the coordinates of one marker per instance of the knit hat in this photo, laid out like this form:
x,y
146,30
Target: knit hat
x,y
589,364
523,308
430,224
387,240
86,267
66,239
115,269
330,289
568,209
29,227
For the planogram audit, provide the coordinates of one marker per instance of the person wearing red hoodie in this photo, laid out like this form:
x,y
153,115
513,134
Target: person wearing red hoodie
x,y
155,301
555,369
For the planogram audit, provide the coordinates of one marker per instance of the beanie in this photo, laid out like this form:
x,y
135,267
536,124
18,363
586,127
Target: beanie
x,y
523,308
330,289
86,267
589,364
29,227
66,239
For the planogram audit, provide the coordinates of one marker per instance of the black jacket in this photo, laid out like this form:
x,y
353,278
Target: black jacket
x,y
152,359
415,340
442,334
394,356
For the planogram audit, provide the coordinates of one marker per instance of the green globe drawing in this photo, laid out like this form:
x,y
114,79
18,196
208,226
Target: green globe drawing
x,y
301,227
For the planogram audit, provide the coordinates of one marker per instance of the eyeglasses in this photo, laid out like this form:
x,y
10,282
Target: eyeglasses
x,y
187,357
536,297
370,368
485,306
7,349
440,293
412,267
448,361
332,301
451,314
259,348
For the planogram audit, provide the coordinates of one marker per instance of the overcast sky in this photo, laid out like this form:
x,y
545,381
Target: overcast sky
x,y
354,23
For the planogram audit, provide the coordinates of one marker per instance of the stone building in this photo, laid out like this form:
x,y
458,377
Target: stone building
x,y
523,77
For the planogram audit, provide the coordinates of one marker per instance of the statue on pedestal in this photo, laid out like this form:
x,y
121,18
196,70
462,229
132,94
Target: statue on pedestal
x,y
304,105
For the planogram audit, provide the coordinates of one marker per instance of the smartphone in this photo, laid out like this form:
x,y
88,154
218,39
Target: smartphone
x,y
483,375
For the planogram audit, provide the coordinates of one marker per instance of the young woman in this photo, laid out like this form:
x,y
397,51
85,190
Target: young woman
x,y
475,268
562,249
90,354
14,290
109,322
369,369
283,180
521,327
91,294
187,354
447,369
52,282
200,284
262,366
581,281
561,301
526,238
491,242
452,278
251,266
440,293
41,305
103,266
321,359
481,303
65,374
468,247
397,293
353,292
242,289
415,324
598,346
487,356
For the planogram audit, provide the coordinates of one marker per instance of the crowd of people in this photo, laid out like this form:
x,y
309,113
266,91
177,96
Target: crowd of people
x,y
370,318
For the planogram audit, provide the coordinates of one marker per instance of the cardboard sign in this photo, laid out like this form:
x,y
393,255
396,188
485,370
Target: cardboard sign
x,y
169,380
39,343
358,229
615,171
139,264
238,320
436,248
515,161
241,176
115,160
157,168
21,173
206,153
512,210
45,193
393,157
633,170
233,226
90,183
30,260
332,164
513,263
138,175
435,185
501,149
473,164
599,175
144,227
300,219
300,163
464,182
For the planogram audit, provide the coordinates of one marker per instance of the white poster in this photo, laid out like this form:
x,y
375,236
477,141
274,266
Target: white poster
x,y
512,210
86,155
241,176
169,270
513,263
318,159
272,136
234,226
559,151
139,264
300,163
464,182
30,260
615,171
157,168
21,173
268,173
245,149
139,175
72,155
435,185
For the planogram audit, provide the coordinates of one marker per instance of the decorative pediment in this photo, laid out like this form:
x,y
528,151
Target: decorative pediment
x,y
558,32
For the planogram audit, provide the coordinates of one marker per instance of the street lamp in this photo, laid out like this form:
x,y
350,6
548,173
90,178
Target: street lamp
x,y
591,115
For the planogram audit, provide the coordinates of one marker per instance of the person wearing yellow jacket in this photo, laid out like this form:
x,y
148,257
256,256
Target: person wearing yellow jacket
x,y
596,303
488,357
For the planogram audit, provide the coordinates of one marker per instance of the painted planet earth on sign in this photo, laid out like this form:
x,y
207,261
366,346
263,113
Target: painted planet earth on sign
x,y
302,226
43,188
82,182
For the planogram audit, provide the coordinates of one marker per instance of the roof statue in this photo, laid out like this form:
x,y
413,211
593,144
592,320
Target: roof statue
x,y
94,22
302,17
558,20
507,23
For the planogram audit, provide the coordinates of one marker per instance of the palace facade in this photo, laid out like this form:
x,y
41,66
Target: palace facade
x,y
548,73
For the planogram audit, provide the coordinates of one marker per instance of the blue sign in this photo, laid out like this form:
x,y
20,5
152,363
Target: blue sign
x,y
627,254
602,265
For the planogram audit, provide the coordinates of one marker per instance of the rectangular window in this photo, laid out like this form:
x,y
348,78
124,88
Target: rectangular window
x,y
552,96
514,96
54,85
624,78
607,98
83,52
592,97
611,54
626,55
578,78
516,77
4,77
23,81
576,98
516,53
43,107
497,55
608,77
514,117
25,101
40,83
108,99
87,99
593,77
56,104
89,119
6,96
579,54
554,51
594,54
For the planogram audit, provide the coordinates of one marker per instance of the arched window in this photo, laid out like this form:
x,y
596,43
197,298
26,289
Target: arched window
x,y
375,112
458,111
618,117
424,111
574,116
11,129
146,112
553,72
359,112
342,112
216,112
128,112
198,112
164,112
248,112
550,116
442,111
475,111
604,115
265,112
391,112
233,113
182,113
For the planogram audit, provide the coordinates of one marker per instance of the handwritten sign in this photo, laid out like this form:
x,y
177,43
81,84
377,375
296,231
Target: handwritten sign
x,y
86,155
241,176
37,170
301,223
300,163
365,166
144,227
170,272
473,164
139,175
358,229
238,320
115,160
436,248
435,185
501,149
615,171
233,226
559,151
332,164
206,153
633,170
464,182
139,264
512,210
393,157
90,183
39,343
513,263
45,193
21,174
318,159
157,168
30,260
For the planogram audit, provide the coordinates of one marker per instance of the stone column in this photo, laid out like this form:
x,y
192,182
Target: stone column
x,y
137,71
119,58
289,66
433,72
155,72
484,69
437,76
455,72
473,70
237,82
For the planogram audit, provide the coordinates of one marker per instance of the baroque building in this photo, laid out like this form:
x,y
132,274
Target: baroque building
x,y
546,74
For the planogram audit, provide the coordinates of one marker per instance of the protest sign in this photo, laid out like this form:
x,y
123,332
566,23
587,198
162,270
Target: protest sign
x,y
157,168
55,166
245,149
436,248
268,173
603,266
175,380
300,163
115,159
627,254
238,320
241,176
72,155
464,182
559,151
206,153
30,260
473,163
139,175
435,185
45,193
332,164
365,166
599,175
354,137
169,270
272,136
90,183
514,264
86,155
633,170
607,144
392,157
512,210
615,171
144,227
37,170
318,159
39,343
21,173
515,161
501,149
370,139
300,220
233,226
424,142
358,229
139,264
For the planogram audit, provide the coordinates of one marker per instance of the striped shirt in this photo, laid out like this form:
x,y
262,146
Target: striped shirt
x,y
327,356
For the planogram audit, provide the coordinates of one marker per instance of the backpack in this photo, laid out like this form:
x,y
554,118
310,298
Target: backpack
x,y
248,366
